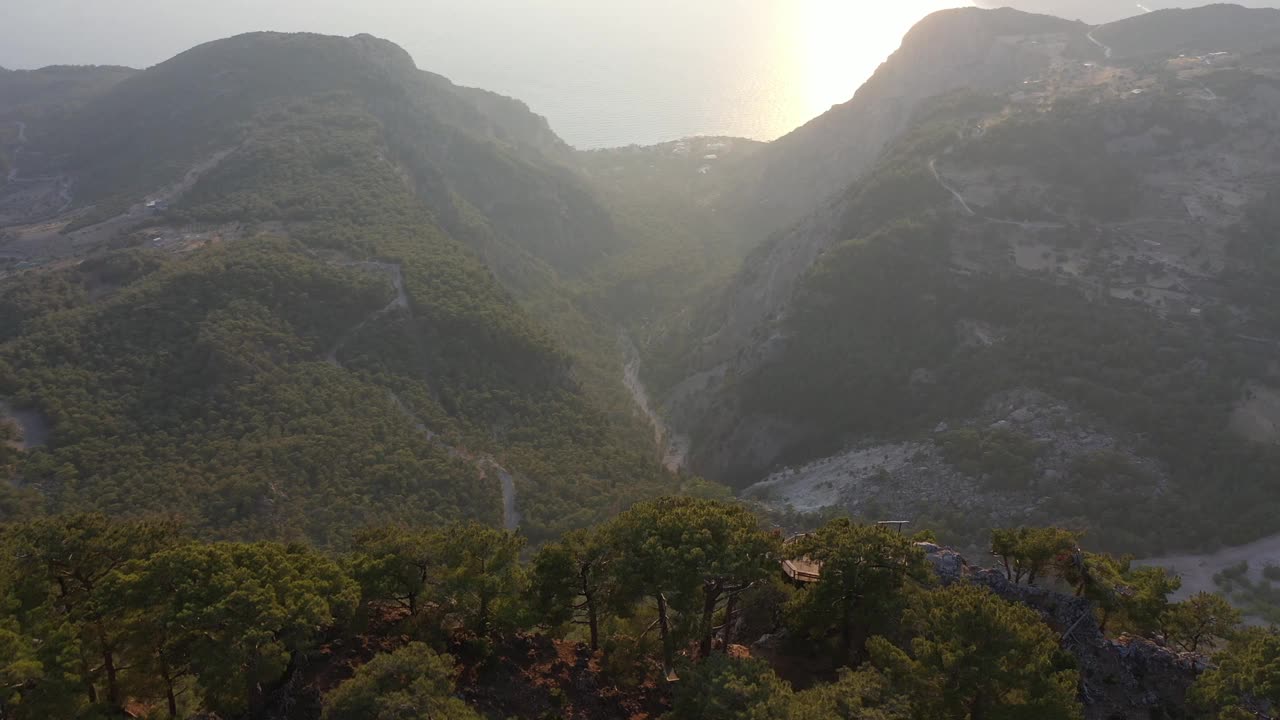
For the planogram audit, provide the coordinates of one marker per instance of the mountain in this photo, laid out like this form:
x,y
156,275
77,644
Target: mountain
x,y
250,285
472,155
310,402
964,48
780,185
1045,302
1100,12
1198,31
57,89
844,293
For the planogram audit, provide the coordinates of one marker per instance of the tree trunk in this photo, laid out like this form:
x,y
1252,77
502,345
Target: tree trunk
x,y
482,622
846,628
730,608
171,697
977,710
593,622
589,597
113,683
664,628
252,687
86,675
710,597
167,675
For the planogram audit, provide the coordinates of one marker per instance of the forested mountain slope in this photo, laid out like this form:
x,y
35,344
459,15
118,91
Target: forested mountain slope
x,y
1195,31
298,333
486,166
963,48
57,90
1052,302
776,195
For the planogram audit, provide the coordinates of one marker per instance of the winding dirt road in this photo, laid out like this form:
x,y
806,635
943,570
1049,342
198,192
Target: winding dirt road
x,y
933,167
485,464
399,302
22,142
673,447
1024,224
1106,51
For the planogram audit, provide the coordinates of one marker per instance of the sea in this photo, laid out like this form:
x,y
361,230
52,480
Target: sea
x,y
606,74
611,73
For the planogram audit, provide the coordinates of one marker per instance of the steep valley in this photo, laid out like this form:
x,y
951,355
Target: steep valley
x,y
1022,276
1027,236
332,390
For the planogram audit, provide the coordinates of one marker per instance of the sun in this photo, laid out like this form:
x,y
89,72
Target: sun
x,y
837,44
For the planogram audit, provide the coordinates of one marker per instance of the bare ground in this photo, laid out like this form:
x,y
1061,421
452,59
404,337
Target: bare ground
x,y
1197,571
33,424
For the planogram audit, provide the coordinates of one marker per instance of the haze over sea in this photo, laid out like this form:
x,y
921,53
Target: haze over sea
x,y
604,73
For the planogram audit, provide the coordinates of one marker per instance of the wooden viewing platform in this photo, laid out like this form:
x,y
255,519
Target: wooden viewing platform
x,y
802,570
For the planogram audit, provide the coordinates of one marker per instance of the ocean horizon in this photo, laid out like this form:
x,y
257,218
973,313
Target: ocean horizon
x,y
604,75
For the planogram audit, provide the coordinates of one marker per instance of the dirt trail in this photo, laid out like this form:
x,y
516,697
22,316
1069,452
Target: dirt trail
x,y
22,142
485,464
510,515
399,302
673,447
1024,224
933,167
1106,51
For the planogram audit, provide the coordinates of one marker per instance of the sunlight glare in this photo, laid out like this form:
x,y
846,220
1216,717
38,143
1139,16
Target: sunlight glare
x,y
835,55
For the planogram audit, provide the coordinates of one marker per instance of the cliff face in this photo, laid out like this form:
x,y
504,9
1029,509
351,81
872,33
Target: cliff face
x,y
1009,239
969,50
966,48
1125,677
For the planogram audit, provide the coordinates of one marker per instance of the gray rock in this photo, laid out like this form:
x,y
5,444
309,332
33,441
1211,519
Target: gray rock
x,y
1022,415
923,376
948,563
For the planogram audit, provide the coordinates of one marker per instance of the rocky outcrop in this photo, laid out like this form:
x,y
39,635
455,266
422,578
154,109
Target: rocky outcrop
x,y
1079,457
1124,677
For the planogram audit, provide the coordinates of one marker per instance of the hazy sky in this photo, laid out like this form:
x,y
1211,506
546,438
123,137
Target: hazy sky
x,y
139,33
605,72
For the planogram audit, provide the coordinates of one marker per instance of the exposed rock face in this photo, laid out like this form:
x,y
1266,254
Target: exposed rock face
x,y
914,478
1186,142
812,167
966,48
1126,677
